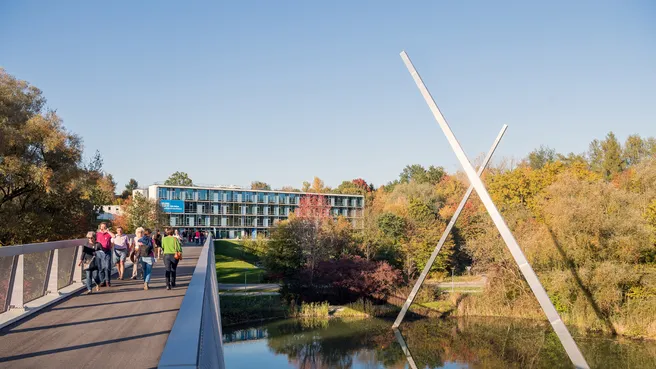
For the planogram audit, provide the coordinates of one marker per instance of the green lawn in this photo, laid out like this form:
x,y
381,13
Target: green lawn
x,y
234,264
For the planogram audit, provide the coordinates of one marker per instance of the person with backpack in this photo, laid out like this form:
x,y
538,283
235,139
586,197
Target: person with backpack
x,y
172,255
92,256
144,248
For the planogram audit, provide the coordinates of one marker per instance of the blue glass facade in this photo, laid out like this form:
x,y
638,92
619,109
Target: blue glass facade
x,y
233,213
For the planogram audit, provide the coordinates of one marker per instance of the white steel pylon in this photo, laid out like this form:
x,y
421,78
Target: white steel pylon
x,y
527,271
445,234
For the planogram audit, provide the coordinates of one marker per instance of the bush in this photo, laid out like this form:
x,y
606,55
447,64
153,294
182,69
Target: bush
x,y
345,280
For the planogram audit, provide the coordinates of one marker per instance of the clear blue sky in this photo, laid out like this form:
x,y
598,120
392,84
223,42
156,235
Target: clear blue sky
x,y
281,91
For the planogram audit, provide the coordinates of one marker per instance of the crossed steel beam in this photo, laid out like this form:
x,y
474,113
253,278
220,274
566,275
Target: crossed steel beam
x,y
527,271
447,231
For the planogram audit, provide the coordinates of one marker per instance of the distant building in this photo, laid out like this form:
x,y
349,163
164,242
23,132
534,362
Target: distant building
x,y
233,212
109,211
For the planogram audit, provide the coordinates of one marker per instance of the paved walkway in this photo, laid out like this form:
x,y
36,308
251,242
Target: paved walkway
x,y
119,327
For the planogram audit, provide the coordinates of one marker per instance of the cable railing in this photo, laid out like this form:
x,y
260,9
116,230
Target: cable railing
x,y
196,340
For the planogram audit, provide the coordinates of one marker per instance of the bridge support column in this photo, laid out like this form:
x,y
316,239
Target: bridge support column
x,y
52,276
16,302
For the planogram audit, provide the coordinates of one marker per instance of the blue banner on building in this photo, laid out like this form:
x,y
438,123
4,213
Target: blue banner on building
x,y
172,206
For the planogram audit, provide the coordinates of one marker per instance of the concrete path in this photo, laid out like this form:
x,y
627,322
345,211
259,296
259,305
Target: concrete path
x,y
119,327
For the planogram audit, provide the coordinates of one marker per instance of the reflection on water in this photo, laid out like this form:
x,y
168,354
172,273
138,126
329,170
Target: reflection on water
x,y
431,343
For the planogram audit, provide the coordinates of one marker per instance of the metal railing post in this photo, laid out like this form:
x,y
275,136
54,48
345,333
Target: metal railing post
x,y
54,267
16,302
77,273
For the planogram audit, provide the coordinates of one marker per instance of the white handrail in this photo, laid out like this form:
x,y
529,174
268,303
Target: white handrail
x,y
16,308
196,338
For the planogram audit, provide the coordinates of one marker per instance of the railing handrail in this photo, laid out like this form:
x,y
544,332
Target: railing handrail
x,y
184,344
30,248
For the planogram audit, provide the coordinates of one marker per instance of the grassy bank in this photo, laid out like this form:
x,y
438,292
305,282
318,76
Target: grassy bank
x,y
235,264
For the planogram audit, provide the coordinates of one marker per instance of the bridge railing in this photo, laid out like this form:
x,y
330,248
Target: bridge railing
x,y
196,340
34,271
33,276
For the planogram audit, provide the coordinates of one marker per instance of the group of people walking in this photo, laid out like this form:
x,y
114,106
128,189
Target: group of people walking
x,y
105,249
194,236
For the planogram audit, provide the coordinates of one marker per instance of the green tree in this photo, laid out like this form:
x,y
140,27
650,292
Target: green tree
x,y
257,185
392,225
419,174
606,156
179,179
351,188
129,187
46,191
143,212
541,156
635,150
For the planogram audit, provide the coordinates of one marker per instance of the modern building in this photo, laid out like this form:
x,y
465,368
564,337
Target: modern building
x,y
109,212
234,212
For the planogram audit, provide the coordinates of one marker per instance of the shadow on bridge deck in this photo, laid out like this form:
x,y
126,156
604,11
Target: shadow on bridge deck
x,y
119,327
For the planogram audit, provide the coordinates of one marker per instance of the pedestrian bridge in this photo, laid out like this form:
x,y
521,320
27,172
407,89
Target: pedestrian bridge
x,y
47,322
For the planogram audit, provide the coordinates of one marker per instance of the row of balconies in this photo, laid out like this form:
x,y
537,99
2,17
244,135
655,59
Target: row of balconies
x,y
266,200
230,222
343,212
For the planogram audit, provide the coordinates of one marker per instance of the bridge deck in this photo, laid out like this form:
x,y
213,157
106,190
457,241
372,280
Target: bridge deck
x,y
119,327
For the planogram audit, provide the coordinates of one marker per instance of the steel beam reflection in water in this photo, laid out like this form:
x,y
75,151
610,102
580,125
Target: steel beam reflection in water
x,y
404,347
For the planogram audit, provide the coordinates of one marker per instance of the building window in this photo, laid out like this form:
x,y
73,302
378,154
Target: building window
x,y
163,193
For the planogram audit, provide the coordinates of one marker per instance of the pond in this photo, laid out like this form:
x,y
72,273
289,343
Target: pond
x,y
432,343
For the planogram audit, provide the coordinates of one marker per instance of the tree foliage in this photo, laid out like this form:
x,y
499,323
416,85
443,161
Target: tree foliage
x,y
257,185
129,187
139,211
541,156
46,190
179,179
586,223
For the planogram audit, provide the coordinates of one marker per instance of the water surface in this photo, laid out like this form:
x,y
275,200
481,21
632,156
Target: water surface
x,y
433,343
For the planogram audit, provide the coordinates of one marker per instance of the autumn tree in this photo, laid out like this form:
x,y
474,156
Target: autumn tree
x,y
317,186
357,186
288,189
140,211
257,185
46,190
179,179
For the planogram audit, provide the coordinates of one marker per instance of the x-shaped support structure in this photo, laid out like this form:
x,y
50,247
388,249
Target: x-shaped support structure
x,y
445,235
527,271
